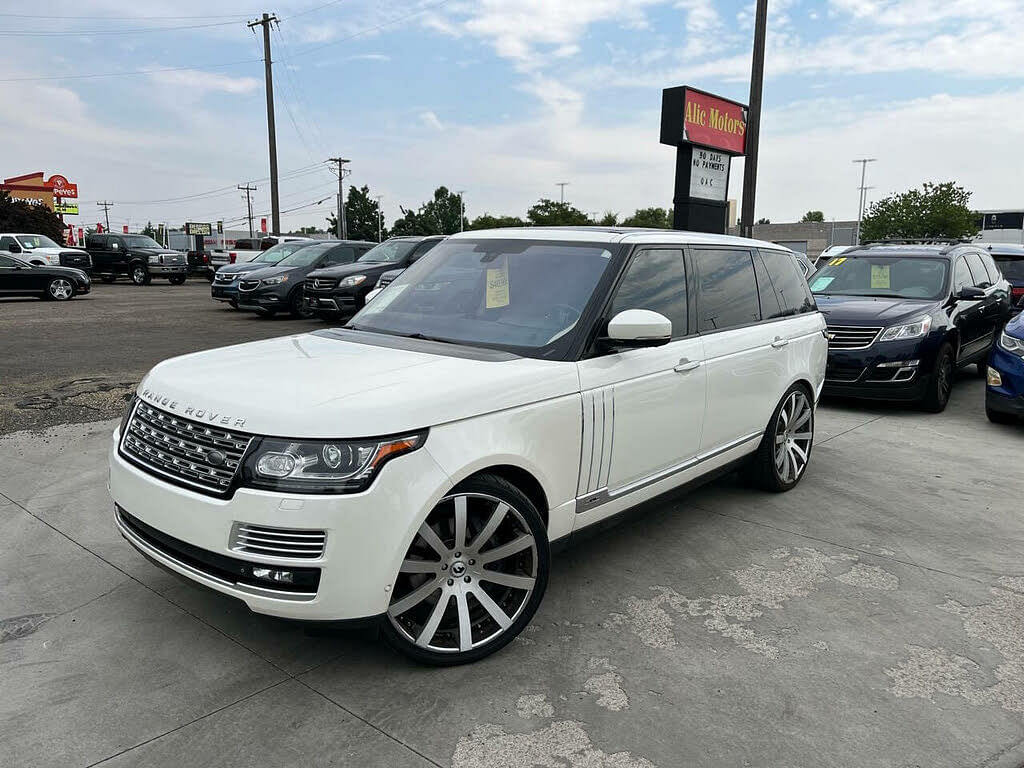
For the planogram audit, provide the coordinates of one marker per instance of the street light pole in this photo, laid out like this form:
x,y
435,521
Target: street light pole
x,y
863,190
462,207
563,185
754,120
379,228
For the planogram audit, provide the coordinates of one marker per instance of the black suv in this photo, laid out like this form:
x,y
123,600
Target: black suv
x,y
341,291
280,286
902,318
137,257
1009,257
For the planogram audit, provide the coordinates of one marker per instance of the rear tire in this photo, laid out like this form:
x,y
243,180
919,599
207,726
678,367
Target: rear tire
x,y
177,280
140,275
785,449
60,289
940,383
484,521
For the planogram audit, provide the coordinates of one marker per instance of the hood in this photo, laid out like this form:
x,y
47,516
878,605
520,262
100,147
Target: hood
x,y
315,385
246,266
271,271
355,268
47,250
864,310
1015,327
155,251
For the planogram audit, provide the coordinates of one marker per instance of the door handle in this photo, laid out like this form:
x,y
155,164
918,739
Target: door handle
x,y
686,366
779,342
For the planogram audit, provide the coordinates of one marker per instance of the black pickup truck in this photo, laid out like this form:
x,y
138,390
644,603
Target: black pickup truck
x,y
137,257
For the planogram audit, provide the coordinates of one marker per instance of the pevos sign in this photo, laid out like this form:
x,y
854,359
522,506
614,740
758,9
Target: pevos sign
x,y
61,186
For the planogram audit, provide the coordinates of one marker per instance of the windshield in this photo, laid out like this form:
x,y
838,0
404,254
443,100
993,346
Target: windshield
x,y
388,252
36,241
905,278
278,252
141,241
1012,267
305,256
504,293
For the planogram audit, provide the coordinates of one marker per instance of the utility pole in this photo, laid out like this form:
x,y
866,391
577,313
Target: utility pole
x,y
863,189
462,207
275,207
106,206
379,227
754,120
563,185
342,224
248,204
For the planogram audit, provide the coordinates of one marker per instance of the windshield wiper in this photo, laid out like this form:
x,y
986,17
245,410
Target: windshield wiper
x,y
421,337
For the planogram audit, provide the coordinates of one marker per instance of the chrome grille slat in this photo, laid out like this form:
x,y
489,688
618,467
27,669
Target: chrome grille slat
x,y
320,283
278,542
249,285
852,336
177,448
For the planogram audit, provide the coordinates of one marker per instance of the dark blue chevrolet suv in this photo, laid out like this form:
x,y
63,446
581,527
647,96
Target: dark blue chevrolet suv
x,y
903,318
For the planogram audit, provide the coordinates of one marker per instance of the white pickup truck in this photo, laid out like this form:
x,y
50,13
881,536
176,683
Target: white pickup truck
x,y
247,248
39,250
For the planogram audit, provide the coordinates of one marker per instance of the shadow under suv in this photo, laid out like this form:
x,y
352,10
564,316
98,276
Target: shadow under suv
x,y
903,318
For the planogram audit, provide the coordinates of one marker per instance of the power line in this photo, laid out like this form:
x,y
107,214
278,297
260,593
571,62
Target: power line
x,y
268,74
106,206
248,203
131,31
192,67
94,17
313,9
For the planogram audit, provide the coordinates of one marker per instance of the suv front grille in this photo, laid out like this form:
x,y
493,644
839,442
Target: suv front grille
x,y
224,277
181,449
320,283
249,285
851,336
384,281
277,542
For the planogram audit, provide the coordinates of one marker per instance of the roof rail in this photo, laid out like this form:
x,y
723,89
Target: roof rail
x,y
918,241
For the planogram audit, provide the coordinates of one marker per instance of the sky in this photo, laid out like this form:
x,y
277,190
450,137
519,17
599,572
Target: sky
x,y
502,99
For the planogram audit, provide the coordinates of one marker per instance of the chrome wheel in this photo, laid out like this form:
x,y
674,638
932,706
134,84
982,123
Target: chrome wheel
x,y
61,289
467,577
794,431
139,275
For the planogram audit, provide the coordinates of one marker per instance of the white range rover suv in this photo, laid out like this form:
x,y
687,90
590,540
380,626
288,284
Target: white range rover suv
x,y
514,386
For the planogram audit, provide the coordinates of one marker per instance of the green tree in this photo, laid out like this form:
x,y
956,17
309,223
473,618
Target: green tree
x,y
486,221
439,216
308,231
610,219
548,213
360,216
19,216
149,230
650,218
816,216
763,220
934,210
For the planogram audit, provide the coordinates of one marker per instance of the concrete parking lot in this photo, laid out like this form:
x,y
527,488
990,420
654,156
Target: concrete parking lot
x,y
871,617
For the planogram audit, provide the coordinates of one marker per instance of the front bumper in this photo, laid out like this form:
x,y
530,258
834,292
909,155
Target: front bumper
x,y
224,291
367,535
167,270
1008,396
883,371
337,302
263,299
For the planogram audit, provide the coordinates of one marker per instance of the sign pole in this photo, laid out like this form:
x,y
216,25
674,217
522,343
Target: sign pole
x,y
754,121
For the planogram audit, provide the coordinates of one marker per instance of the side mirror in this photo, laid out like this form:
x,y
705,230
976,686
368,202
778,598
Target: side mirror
x,y
639,328
14,248
970,293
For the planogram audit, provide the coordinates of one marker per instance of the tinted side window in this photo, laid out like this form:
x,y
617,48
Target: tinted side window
x,y
341,255
790,286
770,306
994,275
655,280
978,270
421,249
961,275
6,242
727,289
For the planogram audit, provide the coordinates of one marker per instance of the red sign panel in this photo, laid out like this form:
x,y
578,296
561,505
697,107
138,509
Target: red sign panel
x,y
61,186
263,225
125,228
714,122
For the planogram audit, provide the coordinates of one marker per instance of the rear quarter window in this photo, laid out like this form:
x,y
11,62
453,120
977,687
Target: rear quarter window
x,y
790,286
1012,267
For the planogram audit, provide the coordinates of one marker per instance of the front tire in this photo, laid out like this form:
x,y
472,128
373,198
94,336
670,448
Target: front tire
x,y
448,607
60,289
176,280
297,305
140,275
785,449
940,383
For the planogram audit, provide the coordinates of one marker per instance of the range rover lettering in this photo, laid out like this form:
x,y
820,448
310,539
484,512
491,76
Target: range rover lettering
x,y
413,467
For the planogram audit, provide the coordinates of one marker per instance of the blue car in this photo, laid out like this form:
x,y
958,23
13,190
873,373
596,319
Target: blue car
x,y
1004,397
225,282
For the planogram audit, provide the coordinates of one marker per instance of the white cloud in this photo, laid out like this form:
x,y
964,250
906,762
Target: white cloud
x,y
197,81
368,57
431,120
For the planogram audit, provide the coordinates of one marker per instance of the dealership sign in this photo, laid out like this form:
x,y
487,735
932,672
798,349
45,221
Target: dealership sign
x,y
197,228
709,176
66,208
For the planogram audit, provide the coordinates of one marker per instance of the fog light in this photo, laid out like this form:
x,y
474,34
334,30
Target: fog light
x,y
899,364
993,377
271,574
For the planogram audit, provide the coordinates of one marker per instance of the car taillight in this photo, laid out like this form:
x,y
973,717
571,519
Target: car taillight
x,y
206,259
232,257
1017,290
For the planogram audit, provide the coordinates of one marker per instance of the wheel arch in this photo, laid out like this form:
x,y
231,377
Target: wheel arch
x,y
522,479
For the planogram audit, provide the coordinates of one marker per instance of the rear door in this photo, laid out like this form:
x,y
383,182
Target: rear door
x,y
992,304
967,313
744,357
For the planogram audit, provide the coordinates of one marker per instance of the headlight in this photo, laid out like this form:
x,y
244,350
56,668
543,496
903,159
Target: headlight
x,y
275,280
352,281
155,259
323,466
914,330
1010,344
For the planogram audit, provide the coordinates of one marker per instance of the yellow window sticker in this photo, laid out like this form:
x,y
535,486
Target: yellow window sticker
x,y
879,275
837,262
497,287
